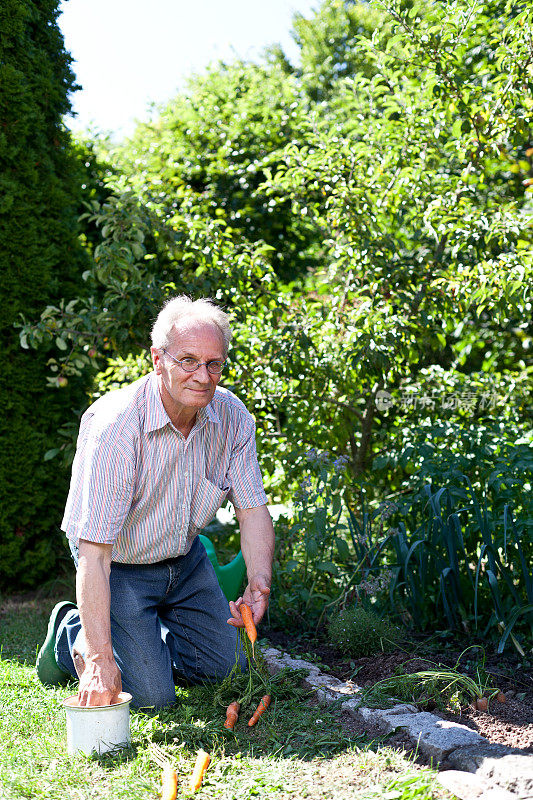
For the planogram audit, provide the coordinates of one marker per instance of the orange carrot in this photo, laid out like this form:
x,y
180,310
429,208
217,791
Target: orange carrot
x,y
261,708
247,618
232,715
202,762
169,783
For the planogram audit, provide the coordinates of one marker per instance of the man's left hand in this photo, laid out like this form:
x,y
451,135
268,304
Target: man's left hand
x,y
256,596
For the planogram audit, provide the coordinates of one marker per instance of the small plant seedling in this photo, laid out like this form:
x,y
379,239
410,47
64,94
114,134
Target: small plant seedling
x,y
442,684
359,632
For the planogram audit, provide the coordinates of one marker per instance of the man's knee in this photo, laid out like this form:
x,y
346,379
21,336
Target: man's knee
x,y
150,690
227,662
152,697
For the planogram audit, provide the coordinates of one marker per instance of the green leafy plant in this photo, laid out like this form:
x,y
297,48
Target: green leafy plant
x,y
367,220
323,558
463,561
441,685
359,632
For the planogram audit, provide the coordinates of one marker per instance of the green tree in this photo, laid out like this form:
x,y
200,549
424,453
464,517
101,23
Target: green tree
x,y
418,178
214,145
328,42
412,182
40,260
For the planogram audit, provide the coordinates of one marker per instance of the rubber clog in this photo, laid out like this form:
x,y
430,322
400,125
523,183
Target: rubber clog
x,y
48,670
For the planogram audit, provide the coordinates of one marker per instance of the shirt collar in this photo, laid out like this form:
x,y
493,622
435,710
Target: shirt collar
x,y
157,417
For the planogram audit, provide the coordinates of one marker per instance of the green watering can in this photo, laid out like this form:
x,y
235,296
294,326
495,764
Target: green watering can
x,y
230,575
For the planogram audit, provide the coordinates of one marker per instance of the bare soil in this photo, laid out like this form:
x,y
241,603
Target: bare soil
x,y
509,723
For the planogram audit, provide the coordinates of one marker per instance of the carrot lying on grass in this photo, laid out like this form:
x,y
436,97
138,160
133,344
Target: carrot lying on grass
x,y
169,778
202,762
232,715
247,618
261,708
169,783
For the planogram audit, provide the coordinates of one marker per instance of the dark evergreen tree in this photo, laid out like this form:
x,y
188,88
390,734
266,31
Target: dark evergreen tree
x,y
41,261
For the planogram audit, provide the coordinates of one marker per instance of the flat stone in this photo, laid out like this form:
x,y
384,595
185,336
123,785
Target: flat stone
x,y
497,793
299,663
326,696
483,771
317,679
404,708
508,768
276,661
378,716
368,715
413,724
271,652
470,759
462,784
351,706
467,786
274,666
439,740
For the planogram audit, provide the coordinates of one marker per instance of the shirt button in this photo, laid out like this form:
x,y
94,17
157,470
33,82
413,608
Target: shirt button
x,y
185,474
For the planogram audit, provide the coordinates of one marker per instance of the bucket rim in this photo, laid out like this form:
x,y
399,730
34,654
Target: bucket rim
x,y
71,703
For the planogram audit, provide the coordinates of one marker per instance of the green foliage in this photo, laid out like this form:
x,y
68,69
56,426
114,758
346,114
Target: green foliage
x,y
358,632
212,149
313,560
463,561
328,44
441,686
367,222
40,260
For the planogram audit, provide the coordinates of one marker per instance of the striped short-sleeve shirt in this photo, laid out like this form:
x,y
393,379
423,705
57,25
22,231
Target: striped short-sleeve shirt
x,y
138,484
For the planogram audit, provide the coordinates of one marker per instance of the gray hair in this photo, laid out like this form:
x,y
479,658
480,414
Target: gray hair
x,y
178,308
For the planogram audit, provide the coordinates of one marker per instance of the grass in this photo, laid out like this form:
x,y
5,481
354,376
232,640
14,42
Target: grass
x,y
298,750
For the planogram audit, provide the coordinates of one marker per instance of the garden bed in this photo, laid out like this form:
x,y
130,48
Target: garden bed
x,y
509,723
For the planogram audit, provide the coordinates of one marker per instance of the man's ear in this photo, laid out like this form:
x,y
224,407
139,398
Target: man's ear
x,y
156,359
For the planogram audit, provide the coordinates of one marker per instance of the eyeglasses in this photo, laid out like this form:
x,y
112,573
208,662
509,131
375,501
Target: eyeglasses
x,y
191,364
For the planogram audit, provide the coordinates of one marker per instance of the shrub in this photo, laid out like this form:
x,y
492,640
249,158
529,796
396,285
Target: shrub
x,y
40,261
359,632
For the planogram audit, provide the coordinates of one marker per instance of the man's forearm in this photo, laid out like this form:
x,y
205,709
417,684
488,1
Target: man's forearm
x,y
93,596
100,679
257,544
257,541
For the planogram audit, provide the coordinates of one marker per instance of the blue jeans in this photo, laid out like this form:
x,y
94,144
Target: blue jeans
x,y
168,621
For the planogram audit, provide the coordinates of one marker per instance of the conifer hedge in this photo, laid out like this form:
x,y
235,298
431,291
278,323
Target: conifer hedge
x,y
40,261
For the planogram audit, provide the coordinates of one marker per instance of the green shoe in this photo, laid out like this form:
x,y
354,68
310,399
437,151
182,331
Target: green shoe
x,y
48,670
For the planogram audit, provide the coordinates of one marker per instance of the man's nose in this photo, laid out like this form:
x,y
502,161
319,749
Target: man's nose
x,y
202,374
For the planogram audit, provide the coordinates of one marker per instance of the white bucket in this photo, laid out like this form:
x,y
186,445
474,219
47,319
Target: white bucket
x,y
97,728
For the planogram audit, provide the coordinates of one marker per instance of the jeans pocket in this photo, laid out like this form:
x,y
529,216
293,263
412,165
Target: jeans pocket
x,y
206,501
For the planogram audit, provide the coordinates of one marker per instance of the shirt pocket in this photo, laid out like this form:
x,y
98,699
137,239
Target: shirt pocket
x,y
206,501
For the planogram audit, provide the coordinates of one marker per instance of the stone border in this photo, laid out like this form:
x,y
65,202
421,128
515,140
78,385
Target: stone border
x,y
480,769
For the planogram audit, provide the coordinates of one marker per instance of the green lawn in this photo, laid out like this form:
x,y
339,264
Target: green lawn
x,y
298,749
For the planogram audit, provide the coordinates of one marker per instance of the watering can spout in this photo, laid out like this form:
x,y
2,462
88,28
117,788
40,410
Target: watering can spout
x,y
230,575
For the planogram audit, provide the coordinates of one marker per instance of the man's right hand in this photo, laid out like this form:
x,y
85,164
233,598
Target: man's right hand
x,y
100,682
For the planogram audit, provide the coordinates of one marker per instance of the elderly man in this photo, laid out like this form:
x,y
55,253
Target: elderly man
x,y
154,462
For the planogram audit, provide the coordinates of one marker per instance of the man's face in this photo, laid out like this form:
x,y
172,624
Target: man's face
x,y
182,390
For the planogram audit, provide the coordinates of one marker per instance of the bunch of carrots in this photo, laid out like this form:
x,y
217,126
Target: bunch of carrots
x,y
256,673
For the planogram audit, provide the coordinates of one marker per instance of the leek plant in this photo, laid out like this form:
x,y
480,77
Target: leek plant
x,y
460,564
